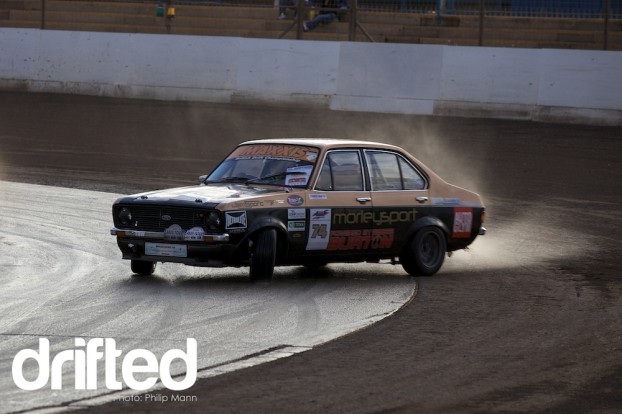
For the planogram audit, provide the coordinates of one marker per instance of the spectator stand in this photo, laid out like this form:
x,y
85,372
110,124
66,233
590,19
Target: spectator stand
x,y
580,24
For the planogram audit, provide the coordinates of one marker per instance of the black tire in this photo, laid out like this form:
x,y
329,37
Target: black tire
x,y
263,255
143,267
425,253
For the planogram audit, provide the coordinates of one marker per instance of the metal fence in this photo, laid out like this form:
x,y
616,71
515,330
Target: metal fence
x,y
589,9
590,24
523,8
592,9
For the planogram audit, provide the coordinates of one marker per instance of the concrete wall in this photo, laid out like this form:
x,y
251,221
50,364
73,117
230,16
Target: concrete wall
x,y
536,84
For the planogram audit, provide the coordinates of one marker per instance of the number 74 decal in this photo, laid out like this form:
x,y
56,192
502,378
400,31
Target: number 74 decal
x,y
319,228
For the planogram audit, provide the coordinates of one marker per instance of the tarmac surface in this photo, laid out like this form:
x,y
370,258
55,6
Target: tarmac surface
x,y
528,320
62,279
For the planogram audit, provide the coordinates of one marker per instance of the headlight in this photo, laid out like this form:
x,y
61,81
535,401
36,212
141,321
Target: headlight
x,y
125,217
212,221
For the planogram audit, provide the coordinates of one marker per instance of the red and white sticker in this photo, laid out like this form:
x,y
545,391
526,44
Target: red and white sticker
x,y
463,222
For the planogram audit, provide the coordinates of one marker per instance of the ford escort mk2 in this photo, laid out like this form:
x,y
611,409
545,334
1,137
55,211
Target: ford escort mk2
x,y
305,202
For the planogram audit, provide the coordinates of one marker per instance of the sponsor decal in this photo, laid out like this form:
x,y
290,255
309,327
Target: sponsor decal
x,y
235,220
361,239
377,218
463,222
194,234
319,228
318,214
174,233
276,151
296,214
254,204
298,176
134,233
85,364
295,200
441,201
298,225
317,197
293,181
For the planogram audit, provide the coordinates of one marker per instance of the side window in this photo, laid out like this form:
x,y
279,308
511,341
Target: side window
x,y
384,171
411,178
341,172
390,172
325,180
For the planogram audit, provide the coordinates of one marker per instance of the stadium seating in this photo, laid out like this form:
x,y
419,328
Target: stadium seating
x,y
261,21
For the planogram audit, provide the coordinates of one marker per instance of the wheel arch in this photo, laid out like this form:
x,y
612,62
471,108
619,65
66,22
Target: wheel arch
x,y
265,223
426,222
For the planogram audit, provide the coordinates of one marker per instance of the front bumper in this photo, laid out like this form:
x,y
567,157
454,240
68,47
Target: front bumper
x,y
212,251
159,235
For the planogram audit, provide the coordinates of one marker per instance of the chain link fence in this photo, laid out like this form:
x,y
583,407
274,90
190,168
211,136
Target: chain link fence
x,y
523,8
591,9
580,24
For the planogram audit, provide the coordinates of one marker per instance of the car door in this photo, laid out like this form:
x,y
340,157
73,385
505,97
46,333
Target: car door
x,y
340,206
400,195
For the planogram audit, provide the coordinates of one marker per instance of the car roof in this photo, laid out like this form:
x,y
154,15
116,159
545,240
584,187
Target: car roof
x,y
324,143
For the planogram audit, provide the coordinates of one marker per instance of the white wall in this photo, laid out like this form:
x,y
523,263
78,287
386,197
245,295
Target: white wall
x,y
537,84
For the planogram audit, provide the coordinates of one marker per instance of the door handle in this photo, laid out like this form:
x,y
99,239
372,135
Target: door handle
x,y
363,199
421,199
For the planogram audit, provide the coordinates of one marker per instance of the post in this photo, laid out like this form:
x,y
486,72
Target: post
x,y
300,12
606,24
43,14
481,23
438,11
353,20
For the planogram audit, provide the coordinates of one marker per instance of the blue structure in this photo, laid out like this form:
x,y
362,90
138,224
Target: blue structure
x,y
565,8
528,8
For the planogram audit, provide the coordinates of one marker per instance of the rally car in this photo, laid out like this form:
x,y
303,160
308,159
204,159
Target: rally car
x,y
303,202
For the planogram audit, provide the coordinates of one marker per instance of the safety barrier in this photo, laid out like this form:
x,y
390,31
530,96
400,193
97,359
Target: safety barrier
x,y
543,85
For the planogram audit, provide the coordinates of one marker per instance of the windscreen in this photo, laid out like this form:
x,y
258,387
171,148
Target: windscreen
x,y
271,164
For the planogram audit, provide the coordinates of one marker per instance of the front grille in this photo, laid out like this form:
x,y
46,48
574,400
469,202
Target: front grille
x,y
150,218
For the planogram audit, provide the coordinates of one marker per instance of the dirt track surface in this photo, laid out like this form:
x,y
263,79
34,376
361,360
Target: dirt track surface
x,y
529,320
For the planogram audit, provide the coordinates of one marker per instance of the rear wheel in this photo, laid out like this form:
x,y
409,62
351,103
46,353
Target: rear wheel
x,y
263,255
425,253
143,267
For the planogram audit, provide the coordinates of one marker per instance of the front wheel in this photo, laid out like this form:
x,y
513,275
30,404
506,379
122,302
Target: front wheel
x,y
425,253
263,255
143,267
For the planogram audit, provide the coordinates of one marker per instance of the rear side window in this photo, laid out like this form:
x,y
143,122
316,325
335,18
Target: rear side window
x,y
389,171
342,171
411,178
